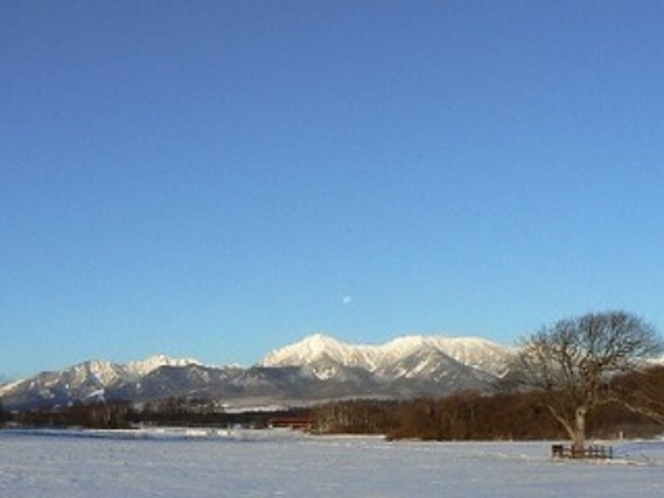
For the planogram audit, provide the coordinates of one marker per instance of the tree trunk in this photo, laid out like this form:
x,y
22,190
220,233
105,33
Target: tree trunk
x,y
579,437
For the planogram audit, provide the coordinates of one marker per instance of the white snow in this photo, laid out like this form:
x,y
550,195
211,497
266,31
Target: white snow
x,y
5,388
144,367
104,371
474,352
212,463
316,347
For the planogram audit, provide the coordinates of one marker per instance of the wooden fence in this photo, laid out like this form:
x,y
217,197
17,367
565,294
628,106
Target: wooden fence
x,y
595,451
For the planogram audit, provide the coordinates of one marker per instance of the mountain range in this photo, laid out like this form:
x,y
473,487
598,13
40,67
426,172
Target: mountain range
x,y
318,368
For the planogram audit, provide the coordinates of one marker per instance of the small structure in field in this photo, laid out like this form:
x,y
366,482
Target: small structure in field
x,y
593,451
297,423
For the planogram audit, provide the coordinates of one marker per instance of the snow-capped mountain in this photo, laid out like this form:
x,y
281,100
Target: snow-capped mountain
x,y
320,348
318,368
468,352
86,381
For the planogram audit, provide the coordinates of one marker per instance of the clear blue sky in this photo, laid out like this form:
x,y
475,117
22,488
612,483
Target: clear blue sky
x,y
219,178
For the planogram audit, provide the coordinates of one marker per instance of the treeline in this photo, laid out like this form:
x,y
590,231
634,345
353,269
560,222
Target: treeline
x,y
505,416
465,416
4,416
119,414
469,416
98,415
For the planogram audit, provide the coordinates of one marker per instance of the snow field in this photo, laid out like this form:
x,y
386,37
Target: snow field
x,y
280,463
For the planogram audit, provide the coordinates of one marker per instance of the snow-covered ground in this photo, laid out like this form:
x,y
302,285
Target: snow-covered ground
x,y
172,463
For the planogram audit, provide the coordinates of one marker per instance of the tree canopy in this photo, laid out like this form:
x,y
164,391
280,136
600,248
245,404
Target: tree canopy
x,y
574,360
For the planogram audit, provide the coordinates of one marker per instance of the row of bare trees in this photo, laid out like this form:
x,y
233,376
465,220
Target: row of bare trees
x,y
174,411
98,415
470,416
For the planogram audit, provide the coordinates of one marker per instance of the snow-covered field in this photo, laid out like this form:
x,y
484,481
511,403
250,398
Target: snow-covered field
x,y
179,463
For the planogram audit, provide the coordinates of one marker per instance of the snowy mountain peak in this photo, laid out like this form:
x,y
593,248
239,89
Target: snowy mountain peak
x,y
319,342
309,349
144,367
102,371
471,352
405,345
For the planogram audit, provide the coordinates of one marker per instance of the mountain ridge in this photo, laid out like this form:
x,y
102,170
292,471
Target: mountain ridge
x,y
471,351
317,368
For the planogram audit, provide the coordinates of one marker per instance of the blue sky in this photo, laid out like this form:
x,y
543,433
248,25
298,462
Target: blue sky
x,y
217,179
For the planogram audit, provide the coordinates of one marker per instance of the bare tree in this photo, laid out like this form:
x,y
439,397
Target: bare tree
x,y
574,361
